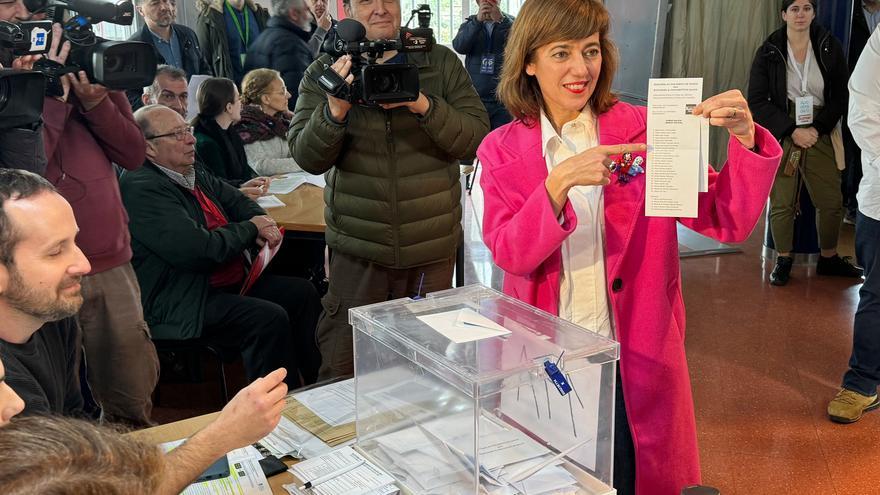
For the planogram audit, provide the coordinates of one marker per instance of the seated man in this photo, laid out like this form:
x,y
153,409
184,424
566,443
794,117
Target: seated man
x,y
169,88
190,232
40,273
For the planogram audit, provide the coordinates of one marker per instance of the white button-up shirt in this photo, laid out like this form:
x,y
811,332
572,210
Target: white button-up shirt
x,y
864,122
583,298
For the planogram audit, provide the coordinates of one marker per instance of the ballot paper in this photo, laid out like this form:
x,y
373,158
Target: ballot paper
x,y
463,325
288,439
436,457
287,183
677,148
334,403
245,474
269,201
365,479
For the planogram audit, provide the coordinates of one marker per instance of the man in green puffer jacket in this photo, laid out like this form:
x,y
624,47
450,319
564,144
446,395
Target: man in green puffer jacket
x,y
393,191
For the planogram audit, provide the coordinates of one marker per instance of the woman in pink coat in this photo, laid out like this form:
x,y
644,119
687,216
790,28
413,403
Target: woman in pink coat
x,y
572,236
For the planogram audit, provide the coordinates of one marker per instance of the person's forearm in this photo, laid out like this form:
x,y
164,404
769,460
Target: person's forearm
x,y
185,463
113,125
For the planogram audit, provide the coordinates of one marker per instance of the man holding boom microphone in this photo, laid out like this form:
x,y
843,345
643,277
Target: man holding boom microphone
x,y
393,192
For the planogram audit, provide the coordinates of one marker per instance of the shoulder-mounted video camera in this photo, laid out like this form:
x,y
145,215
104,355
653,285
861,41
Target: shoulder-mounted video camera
x,y
113,64
376,83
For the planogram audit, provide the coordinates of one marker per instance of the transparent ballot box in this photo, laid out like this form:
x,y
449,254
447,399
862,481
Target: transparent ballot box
x,y
467,391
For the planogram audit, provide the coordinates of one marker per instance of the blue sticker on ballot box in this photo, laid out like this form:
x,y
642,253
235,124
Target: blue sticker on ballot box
x,y
557,377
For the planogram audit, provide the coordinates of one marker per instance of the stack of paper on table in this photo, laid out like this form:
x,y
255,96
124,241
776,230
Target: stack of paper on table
x,y
430,458
287,183
288,439
364,479
245,475
328,412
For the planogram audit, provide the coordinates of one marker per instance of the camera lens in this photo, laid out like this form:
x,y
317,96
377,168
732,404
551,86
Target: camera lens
x,y
386,82
113,63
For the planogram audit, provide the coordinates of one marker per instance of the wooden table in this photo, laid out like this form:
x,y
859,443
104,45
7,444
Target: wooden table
x,y
187,427
304,210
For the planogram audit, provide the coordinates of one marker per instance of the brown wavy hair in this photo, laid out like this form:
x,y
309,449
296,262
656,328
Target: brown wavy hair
x,y
256,83
54,455
538,23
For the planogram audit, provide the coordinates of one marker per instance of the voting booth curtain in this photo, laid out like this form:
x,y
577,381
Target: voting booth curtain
x,y
717,40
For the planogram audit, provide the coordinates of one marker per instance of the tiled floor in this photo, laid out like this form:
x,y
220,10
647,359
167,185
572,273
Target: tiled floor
x,y
764,361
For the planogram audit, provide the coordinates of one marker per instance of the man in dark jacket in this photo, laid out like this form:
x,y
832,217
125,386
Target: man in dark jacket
x,y
393,183
323,26
226,28
283,45
190,232
481,39
176,45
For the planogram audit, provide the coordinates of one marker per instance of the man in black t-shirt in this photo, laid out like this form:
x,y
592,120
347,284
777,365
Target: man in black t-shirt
x,y
40,272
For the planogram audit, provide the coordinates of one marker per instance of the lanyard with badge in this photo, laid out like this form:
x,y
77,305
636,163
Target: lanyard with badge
x,y
487,63
246,35
803,105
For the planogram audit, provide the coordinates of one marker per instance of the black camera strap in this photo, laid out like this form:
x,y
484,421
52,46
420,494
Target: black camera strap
x,y
53,72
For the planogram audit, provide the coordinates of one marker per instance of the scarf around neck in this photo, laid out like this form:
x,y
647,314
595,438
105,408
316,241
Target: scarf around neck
x,y
256,125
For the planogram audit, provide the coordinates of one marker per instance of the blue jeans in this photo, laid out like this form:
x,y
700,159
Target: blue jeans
x,y
864,364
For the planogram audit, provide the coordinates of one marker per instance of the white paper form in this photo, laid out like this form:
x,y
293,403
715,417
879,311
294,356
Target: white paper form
x,y
289,439
362,480
674,140
463,325
245,475
334,403
287,183
269,201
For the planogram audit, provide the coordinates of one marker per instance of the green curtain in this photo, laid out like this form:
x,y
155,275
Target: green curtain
x,y
717,40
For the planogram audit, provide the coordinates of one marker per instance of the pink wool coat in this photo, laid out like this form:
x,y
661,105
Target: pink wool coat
x,y
642,268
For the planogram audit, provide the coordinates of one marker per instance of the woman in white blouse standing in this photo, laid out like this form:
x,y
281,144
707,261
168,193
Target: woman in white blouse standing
x,y
797,90
265,120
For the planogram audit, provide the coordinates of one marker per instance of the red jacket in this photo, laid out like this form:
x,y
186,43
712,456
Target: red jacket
x,y
641,263
81,147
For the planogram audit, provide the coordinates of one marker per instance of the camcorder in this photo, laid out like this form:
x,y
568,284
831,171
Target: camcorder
x,y
376,83
114,64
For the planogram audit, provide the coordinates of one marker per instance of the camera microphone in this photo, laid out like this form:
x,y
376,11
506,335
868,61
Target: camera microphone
x,y
350,30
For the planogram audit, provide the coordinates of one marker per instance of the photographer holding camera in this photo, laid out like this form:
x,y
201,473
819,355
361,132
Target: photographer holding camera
x,y
21,143
86,130
393,190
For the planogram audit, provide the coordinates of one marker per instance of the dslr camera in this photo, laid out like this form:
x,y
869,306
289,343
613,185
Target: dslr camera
x,y
376,83
113,64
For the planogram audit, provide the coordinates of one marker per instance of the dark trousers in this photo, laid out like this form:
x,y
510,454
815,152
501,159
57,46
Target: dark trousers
x,y
624,478
864,363
356,282
273,326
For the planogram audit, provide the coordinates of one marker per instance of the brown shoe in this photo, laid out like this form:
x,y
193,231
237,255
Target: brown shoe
x,y
848,406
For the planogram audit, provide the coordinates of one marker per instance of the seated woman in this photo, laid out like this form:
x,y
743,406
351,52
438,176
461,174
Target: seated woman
x,y
219,148
264,122
575,248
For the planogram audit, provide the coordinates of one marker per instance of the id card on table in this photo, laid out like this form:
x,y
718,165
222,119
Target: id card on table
x,y
803,110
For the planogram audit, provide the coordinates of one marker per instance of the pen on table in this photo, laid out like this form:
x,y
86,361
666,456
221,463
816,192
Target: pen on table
x,y
330,476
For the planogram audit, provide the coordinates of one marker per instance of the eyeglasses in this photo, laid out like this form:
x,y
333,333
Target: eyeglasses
x,y
179,134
